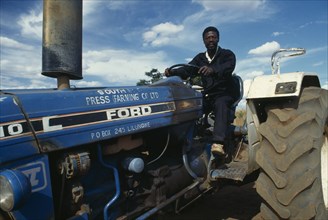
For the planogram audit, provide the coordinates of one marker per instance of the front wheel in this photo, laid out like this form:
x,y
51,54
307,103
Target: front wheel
x,y
293,159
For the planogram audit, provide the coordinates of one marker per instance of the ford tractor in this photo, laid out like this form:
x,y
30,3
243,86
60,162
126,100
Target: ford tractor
x,y
132,152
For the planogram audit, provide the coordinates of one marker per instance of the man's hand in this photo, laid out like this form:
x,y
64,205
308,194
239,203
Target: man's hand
x,y
205,70
167,72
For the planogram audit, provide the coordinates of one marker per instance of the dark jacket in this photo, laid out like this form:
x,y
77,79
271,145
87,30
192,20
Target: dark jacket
x,y
223,65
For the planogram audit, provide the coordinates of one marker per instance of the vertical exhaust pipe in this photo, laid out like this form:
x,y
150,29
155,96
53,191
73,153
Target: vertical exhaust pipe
x,y
62,41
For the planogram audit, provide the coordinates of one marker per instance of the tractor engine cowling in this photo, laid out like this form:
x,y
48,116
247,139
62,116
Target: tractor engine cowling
x,y
79,148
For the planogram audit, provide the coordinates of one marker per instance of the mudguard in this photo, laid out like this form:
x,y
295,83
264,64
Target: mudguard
x,y
281,85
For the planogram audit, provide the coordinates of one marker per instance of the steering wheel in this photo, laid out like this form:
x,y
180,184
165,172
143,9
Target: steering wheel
x,y
187,66
194,79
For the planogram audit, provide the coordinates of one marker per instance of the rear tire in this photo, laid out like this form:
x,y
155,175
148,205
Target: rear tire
x,y
293,159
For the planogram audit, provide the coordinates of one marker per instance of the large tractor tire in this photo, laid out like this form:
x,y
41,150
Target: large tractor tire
x,y
293,159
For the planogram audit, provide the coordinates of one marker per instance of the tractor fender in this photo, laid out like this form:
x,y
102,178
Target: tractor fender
x,y
268,89
281,85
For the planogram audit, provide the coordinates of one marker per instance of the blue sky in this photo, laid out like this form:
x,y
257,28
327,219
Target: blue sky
x,y
124,39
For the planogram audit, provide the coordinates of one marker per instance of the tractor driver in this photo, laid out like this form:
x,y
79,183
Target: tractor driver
x,y
216,67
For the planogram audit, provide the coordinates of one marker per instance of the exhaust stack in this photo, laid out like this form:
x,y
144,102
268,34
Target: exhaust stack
x,y
62,41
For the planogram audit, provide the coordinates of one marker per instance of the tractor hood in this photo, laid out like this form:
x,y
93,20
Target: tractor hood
x,y
37,121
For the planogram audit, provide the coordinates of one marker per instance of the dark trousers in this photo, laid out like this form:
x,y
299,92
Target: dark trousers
x,y
221,109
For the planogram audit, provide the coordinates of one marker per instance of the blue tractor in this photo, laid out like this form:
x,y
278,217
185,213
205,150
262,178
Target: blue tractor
x,y
130,152
94,153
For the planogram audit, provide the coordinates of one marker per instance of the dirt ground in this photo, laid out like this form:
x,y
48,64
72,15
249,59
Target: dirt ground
x,y
229,203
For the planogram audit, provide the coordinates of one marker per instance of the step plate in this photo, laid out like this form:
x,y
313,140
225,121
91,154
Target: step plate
x,y
234,171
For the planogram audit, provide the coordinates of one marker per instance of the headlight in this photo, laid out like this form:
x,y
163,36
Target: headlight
x,y
15,188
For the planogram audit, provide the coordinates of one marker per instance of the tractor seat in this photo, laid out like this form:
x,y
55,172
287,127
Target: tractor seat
x,y
237,89
237,92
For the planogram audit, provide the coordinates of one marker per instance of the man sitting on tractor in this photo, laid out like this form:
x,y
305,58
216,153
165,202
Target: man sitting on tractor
x,y
216,66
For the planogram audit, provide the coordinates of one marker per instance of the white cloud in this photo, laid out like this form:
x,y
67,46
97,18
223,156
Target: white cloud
x,y
214,13
325,86
255,73
306,24
20,82
248,68
161,34
100,68
276,34
253,66
231,5
317,50
120,66
265,49
320,63
10,43
91,7
31,24
20,63
232,11
83,83
118,4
